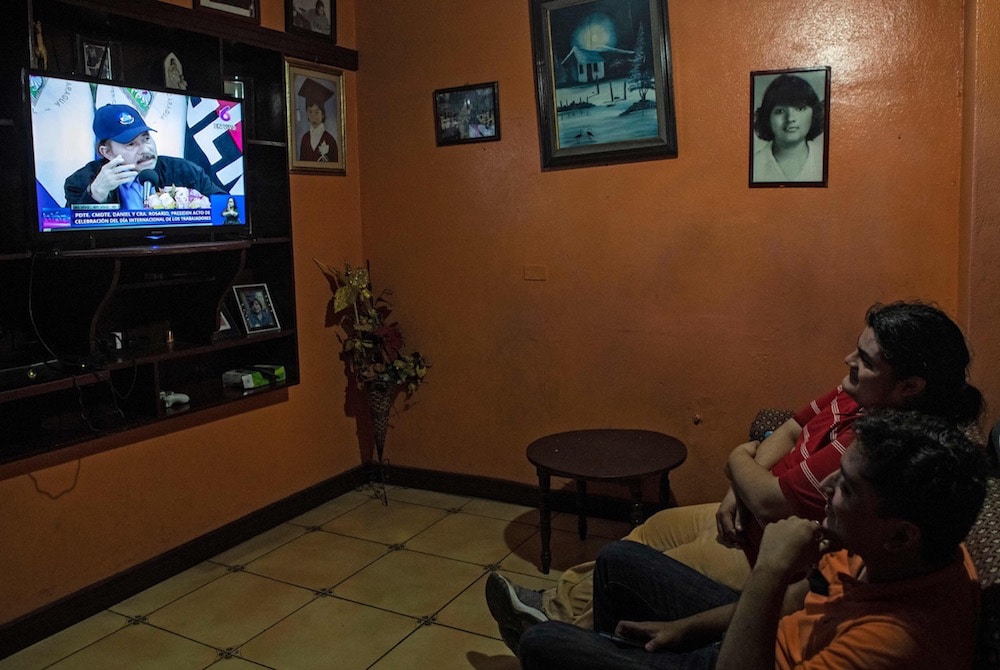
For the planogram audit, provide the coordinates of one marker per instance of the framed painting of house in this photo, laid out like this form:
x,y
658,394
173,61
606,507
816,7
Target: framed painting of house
x,y
604,82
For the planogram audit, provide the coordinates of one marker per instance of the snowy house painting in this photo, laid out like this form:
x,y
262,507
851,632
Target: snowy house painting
x,y
603,71
584,65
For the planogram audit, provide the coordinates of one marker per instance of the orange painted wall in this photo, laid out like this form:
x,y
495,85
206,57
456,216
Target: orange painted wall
x,y
673,290
981,193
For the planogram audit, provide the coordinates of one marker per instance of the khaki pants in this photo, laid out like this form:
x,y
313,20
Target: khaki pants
x,y
686,534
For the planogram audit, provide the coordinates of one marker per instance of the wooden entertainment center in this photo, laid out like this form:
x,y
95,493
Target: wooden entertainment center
x,y
89,339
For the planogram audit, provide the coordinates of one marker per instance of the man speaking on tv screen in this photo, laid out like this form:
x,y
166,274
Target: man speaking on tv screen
x,y
130,169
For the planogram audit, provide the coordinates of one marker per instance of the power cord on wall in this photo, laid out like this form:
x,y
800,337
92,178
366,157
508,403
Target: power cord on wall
x,y
56,496
78,367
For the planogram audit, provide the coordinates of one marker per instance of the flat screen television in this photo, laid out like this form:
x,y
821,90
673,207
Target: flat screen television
x,y
170,169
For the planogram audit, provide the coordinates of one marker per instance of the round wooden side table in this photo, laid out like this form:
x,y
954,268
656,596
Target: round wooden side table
x,y
602,455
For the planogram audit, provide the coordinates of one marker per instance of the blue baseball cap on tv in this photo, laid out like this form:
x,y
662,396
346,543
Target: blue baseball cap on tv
x,y
120,123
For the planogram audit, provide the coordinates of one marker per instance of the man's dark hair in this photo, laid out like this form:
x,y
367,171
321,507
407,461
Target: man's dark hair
x,y
788,90
919,339
923,470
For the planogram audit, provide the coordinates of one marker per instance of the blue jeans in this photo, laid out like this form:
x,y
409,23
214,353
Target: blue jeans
x,y
635,583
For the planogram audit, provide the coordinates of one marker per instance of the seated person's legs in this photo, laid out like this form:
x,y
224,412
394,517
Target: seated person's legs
x,y
686,534
633,582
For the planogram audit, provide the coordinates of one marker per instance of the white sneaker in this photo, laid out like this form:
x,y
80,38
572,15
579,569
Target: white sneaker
x,y
512,614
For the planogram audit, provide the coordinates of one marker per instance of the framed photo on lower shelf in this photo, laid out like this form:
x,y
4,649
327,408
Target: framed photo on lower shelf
x,y
256,310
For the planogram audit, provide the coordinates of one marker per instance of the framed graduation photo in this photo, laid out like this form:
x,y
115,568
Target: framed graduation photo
x,y
315,99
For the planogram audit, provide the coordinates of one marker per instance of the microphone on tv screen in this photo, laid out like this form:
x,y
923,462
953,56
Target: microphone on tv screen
x,y
149,180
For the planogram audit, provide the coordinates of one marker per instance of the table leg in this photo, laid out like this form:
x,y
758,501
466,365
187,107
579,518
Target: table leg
x,y
545,518
635,513
581,508
665,489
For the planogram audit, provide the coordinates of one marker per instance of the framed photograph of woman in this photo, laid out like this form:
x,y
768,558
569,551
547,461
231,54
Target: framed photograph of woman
x,y
604,81
312,17
315,99
467,114
256,308
789,127
246,9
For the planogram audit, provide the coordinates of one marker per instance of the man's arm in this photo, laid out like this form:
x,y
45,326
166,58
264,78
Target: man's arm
x,y
755,486
788,548
779,443
693,631
705,627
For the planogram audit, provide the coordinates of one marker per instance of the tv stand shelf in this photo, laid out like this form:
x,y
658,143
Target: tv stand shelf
x,y
90,338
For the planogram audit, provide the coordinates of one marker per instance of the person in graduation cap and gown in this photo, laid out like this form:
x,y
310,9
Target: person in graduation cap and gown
x,y
317,143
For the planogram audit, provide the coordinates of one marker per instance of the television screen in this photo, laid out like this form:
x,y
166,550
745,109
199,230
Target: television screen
x,y
113,162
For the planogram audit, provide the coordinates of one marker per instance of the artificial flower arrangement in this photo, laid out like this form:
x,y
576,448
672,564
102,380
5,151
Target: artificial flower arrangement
x,y
178,197
372,342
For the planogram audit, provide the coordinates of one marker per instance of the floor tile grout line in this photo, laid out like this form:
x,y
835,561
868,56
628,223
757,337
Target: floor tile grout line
x,y
125,624
452,509
171,602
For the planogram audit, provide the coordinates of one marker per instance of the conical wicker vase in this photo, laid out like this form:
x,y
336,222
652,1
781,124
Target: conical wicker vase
x,y
379,396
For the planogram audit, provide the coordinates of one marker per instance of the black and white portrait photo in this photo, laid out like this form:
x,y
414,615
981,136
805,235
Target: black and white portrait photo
x,y
789,122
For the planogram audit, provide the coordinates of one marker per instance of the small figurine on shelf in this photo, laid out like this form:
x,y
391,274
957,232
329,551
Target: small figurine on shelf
x,y
40,54
174,73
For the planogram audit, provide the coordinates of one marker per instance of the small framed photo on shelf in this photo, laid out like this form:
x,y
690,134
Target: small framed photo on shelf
x,y
247,9
256,309
315,98
312,17
465,114
100,59
789,124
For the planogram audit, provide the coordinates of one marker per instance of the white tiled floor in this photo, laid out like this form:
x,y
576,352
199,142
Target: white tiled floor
x,y
350,584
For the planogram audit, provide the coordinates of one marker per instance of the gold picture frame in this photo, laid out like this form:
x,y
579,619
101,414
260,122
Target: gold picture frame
x,y
314,98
